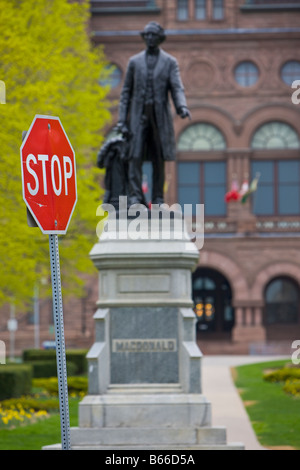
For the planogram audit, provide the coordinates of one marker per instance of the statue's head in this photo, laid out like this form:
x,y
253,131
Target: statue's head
x,y
154,29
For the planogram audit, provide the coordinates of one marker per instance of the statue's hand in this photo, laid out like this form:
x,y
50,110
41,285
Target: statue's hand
x,y
184,112
122,127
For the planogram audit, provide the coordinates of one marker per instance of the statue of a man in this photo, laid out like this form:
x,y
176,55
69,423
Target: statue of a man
x,y
145,112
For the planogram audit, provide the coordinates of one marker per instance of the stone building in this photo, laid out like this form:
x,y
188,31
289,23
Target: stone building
x,y
238,60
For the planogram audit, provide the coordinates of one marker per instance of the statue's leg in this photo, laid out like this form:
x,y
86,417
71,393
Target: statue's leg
x,y
158,164
135,181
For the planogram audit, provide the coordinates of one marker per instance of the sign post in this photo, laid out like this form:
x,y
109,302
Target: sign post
x,y
50,193
60,342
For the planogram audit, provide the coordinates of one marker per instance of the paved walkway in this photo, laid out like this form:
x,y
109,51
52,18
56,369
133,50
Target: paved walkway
x,y
227,407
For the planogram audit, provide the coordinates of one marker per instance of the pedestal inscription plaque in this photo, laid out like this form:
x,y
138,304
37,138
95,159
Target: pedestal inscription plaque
x,y
144,345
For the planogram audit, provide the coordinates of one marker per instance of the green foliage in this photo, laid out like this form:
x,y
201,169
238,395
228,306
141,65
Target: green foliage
x,y
75,356
31,403
281,375
292,387
29,355
50,68
15,380
75,384
49,368
289,375
78,357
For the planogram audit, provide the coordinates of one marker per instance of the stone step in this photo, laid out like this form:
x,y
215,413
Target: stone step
x,y
151,436
144,388
146,447
144,410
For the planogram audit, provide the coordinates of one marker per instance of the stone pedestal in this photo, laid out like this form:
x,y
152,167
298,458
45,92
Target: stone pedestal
x,y
145,366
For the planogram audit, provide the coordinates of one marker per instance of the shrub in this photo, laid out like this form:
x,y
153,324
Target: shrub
x,y
292,387
30,403
30,355
15,380
77,356
75,384
49,368
281,375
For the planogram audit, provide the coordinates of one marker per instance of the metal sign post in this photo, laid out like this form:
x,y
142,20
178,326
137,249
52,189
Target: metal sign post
x,y
60,342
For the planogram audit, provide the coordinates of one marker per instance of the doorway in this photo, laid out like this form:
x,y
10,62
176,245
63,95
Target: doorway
x,y
212,298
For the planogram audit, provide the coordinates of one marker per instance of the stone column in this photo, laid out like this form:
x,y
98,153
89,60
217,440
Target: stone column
x,y
248,328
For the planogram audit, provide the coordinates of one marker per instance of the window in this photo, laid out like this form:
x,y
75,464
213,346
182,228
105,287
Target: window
x,y
218,10
290,71
200,9
246,74
182,10
278,191
120,6
202,183
282,301
275,135
112,76
201,137
270,5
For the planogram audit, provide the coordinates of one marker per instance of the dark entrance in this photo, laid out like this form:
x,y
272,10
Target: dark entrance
x,y
212,298
281,313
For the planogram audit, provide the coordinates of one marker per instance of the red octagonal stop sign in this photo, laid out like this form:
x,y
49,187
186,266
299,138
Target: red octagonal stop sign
x,y
49,174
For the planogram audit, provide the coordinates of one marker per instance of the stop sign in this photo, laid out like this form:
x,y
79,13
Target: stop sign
x,y
49,174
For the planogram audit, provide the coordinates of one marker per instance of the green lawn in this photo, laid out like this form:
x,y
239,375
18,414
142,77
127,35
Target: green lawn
x,y
275,416
35,436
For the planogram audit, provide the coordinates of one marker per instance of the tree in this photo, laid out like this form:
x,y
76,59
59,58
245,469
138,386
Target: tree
x,y
49,67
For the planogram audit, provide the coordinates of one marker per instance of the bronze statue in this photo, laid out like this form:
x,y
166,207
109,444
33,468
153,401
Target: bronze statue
x,y
145,117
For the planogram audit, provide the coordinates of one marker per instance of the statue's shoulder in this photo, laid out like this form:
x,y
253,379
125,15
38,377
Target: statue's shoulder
x,y
167,56
137,57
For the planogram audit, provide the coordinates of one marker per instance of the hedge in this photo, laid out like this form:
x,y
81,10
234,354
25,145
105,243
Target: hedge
x,y
15,380
49,368
77,356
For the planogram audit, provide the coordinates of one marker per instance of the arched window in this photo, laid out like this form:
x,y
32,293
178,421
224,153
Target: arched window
x,y
201,137
282,301
199,181
278,191
275,135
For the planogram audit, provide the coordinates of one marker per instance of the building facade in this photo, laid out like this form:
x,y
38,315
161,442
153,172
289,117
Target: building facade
x,y
238,60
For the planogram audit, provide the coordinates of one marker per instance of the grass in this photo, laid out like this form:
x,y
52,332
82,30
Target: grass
x,y
38,434
273,413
